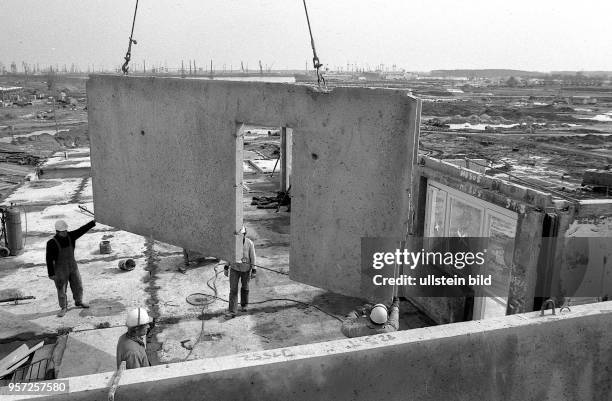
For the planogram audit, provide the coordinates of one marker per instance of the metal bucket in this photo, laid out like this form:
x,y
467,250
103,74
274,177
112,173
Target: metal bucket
x,y
127,264
105,247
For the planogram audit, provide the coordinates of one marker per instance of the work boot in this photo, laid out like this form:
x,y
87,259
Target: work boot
x,y
229,315
62,312
82,305
244,308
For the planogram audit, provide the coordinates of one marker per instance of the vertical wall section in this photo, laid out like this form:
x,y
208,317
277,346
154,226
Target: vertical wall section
x,y
165,157
352,161
164,162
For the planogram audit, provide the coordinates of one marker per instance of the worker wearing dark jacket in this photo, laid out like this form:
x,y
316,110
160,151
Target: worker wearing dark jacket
x,y
61,265
369,320
131,346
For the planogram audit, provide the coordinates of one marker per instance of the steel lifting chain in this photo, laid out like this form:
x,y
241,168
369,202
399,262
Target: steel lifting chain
x,y
128,54
315,59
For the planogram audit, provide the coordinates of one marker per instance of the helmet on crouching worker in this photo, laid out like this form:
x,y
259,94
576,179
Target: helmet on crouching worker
x,y
137,321
379,314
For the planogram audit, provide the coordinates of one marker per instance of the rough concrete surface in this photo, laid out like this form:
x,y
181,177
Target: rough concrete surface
x,y
168,148
164,161
90,352
519,357
157,284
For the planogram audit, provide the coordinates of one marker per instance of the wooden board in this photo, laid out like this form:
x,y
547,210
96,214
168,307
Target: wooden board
x,y
17,358
14,367
14,357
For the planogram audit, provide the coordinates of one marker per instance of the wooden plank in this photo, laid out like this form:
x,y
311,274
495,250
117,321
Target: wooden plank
x,y
12,368
14,357
17,358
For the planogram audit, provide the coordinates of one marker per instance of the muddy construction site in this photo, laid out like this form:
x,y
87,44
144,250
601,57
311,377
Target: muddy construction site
x,y
545,134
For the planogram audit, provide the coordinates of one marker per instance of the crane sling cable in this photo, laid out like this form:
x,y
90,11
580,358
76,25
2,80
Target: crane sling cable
x,y
315,59
128,54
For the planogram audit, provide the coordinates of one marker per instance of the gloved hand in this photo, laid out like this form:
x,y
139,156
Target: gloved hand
x,y
253,273
365,309
52,278
226,271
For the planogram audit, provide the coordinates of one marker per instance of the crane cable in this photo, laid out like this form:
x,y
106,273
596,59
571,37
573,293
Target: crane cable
x,y
128,54
315,59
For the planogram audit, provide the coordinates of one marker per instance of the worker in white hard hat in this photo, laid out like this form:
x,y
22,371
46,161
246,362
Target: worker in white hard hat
x,y
62,267
241,271
132,346
372,319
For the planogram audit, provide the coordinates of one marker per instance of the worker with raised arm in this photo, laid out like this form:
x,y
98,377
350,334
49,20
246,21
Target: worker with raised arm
x,y
132,345
369,320
241,271
62,268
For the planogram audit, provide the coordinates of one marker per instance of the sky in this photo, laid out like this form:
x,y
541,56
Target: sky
x,y
416,35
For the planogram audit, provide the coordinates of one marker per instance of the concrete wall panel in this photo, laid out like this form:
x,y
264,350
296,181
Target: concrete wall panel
x,y
351,179
519,357
166,163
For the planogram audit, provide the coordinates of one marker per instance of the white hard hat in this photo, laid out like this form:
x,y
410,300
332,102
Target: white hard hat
x,y
378,314
137,317
61,225
242,230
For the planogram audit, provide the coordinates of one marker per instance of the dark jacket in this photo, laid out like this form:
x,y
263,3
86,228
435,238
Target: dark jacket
x,y
132,351
53,251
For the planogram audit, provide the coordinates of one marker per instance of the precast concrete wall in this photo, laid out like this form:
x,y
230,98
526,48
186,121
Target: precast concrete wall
x,y
164,161
519,357
587,257
167,163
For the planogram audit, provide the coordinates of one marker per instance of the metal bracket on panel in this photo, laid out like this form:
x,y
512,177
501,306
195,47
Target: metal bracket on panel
x,y
544,305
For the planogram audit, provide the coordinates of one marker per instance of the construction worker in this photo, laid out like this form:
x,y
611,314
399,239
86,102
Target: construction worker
x,y
369,320
241,271
62,267
131,346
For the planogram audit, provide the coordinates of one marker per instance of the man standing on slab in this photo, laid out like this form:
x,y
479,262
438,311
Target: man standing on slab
x,y
241,271
61,265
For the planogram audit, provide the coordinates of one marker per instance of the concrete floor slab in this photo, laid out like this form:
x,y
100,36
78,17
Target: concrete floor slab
x,y
90,352
63,162
44,192
164,248
267,166
157,284
108,290
86,195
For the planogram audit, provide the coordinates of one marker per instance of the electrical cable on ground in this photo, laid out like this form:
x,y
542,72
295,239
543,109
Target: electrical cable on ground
x,y
210,298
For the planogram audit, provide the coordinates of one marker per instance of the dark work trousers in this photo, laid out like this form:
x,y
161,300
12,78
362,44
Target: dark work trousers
x,y
67,271
245,277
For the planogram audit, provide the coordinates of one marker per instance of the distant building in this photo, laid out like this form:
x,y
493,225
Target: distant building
x,y
581,100
10,94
